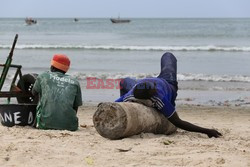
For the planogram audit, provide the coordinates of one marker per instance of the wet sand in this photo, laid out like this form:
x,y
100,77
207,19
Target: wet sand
x,y
25,146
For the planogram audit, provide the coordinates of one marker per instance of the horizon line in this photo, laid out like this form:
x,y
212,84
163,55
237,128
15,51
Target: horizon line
x,y
128,17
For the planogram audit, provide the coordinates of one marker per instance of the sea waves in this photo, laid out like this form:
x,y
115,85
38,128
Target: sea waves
x,y
187,81
180,77
132,48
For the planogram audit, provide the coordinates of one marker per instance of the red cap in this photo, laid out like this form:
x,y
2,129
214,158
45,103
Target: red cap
x,y
61,62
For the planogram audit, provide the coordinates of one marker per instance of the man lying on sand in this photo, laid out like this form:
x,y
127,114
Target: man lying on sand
x,y
59,97
160,93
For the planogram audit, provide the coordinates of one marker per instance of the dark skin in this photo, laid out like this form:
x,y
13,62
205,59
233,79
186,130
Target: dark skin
x,y
53,69
175,119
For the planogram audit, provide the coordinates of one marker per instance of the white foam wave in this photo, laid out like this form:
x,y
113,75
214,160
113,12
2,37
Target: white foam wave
x,y
83,76
180,77
138,48
214,78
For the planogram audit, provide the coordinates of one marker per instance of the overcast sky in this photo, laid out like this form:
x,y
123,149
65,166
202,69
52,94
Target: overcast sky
x,y
125,8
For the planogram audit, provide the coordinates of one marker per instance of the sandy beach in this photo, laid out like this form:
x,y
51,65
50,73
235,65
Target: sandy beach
x,y
25,146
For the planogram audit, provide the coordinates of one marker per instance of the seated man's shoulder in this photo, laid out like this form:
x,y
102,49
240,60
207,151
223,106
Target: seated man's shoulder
x,y
43,74
72,79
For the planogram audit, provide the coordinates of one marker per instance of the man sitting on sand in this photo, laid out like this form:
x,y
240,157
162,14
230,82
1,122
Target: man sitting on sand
x,y
59,97
160,93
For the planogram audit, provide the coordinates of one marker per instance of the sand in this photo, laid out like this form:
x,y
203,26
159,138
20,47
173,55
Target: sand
x,y
25,146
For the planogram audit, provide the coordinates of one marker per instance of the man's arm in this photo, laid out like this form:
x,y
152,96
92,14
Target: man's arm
x,y
191,127
78,98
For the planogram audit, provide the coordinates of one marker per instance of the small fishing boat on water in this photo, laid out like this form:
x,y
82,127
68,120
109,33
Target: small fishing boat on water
x,y
119,20
30,21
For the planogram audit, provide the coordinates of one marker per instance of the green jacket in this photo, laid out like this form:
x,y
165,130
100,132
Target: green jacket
x,y
59,95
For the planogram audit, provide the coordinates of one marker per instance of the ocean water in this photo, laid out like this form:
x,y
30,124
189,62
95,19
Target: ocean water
x,y
213,54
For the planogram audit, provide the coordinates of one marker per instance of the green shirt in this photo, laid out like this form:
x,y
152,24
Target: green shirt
x,y
59,95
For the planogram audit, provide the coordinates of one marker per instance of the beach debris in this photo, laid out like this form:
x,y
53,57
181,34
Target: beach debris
x,y
57,136
168,142
220,161
30,137
189,99
83,126
50,135
10,148
89,160
227,103
65,134
86,126
7,158
124,150
185,99
99,104
125,119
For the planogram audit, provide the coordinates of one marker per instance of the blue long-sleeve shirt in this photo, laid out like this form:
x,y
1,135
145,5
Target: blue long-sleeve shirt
x,y
162,101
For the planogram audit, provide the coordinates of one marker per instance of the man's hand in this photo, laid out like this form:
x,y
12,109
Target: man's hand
x,y
174,119
213,133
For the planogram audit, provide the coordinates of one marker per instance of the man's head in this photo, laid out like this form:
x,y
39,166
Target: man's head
x,y
60,62
145,90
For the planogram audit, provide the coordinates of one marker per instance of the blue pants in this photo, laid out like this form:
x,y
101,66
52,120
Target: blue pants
x,y
168,73
169,69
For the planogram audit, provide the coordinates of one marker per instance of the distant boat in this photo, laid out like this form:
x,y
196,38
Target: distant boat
x,y
30,21
118,20
76,19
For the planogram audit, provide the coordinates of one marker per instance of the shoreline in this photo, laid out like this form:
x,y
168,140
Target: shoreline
x,y
185,97
190,92
86,147
189,97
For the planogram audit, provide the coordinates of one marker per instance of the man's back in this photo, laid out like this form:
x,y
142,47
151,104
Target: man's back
x,y
59,95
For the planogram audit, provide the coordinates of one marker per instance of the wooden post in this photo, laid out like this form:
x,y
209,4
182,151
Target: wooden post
x,y
119,120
